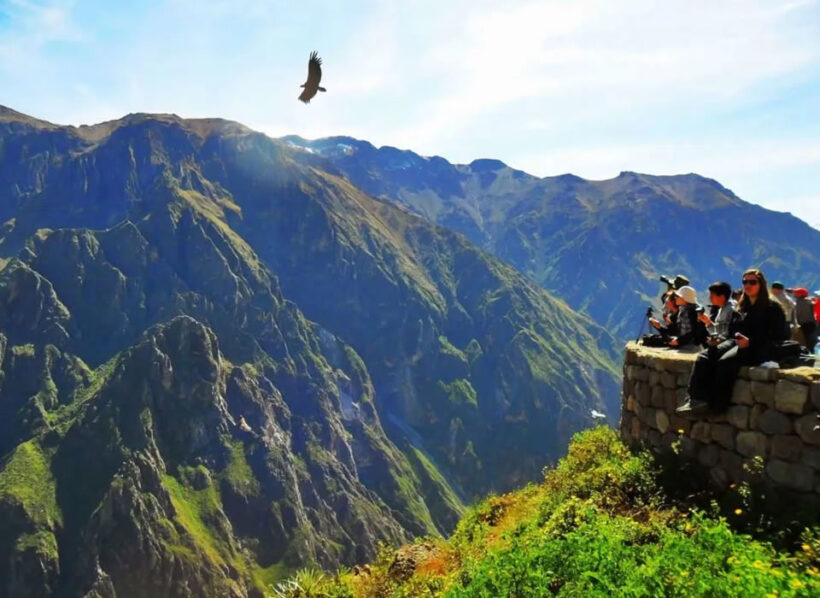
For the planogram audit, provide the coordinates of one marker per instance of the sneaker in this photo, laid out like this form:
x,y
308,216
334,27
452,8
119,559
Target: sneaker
x,y
690,406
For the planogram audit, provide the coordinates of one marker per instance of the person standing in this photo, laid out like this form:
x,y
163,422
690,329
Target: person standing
x,y
778,294
816,302
804,320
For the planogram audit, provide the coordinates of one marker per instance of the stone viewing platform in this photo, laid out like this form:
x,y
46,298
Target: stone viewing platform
x,y
774,414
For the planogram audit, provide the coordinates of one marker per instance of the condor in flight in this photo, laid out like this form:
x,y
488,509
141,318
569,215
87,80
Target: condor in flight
x,y
314,77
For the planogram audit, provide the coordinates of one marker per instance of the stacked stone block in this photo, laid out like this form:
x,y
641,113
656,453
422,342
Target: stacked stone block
x,y
774,415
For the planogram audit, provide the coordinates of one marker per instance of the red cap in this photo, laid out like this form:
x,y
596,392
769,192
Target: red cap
x,y
801,292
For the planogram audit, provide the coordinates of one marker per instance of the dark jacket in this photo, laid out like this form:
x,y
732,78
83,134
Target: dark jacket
x,y
766,328
667,331
690,329
803,311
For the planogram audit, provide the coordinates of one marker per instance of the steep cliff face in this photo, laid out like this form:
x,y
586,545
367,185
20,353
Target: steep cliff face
x,y
600,245
170,459
166,407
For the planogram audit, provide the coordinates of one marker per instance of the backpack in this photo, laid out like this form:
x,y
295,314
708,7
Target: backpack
x,y
789,354
654,340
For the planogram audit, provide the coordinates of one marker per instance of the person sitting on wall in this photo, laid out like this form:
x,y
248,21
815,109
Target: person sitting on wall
x,y
669,327
689,330
721,320
753,343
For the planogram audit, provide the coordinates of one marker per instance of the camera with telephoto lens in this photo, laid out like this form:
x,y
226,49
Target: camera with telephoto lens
x,y
699,309
669,282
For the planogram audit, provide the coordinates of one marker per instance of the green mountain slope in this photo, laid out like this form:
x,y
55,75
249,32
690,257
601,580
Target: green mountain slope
x,y
600,245
597,525
220,361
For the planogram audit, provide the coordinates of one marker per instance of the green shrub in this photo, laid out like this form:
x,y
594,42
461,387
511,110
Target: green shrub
x,y
598,525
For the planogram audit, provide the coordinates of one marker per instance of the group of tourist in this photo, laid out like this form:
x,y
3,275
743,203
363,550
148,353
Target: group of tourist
x,y
745,327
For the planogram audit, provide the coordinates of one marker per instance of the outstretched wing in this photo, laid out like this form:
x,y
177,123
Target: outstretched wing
x,y
314,69
314,77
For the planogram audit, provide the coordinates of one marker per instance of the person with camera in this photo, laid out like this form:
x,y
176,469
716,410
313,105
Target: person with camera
x,y
687,329
753,341
722,319
672,285
669,327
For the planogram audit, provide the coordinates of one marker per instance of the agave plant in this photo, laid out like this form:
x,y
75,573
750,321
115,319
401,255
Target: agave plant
x,y
306,583
284,589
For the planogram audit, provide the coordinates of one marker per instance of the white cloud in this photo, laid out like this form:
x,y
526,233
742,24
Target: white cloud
x,y
705,157
42,22
611,56
591,86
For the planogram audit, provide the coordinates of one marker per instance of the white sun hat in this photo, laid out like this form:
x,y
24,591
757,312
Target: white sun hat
x,y
688,294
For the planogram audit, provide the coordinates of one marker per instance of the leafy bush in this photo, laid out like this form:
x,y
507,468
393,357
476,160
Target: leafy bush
x,y
598,525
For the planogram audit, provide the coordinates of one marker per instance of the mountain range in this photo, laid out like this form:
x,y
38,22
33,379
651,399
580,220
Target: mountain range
x,y
599,245
221,359
224,356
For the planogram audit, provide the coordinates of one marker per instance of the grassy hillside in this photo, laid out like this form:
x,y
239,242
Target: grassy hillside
x,y
598,525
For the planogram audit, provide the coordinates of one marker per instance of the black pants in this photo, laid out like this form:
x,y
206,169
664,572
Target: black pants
x,y
714,374
810,334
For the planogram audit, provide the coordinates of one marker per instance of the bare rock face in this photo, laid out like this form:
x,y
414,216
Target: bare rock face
x,y
155,474
31,311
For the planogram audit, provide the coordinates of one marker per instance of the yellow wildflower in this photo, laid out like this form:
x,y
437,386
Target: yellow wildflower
x,y
806,548
796,584
680,431
738,511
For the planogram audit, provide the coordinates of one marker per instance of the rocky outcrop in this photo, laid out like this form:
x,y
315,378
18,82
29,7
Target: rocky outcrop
x,y
774,415
183,475
29,308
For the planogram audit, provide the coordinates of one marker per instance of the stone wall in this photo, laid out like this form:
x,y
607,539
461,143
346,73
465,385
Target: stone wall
x,y
773,414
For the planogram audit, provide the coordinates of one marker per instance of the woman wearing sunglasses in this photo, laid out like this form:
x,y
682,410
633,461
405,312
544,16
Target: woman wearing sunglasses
x,y
754,341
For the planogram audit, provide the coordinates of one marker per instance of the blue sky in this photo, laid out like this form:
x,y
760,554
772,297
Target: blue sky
x,y
727,89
